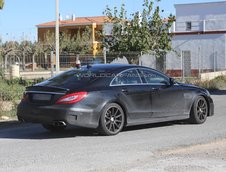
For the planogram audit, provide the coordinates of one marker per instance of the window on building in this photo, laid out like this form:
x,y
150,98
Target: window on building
x,y
188,26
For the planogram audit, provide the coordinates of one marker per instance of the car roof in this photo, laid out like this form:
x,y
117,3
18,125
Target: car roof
x,y
116,67
109,67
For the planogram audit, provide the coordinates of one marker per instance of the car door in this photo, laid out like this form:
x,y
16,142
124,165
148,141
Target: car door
x,y
167,100
133,93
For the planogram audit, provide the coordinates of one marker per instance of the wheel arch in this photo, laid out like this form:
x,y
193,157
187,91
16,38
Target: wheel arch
x,y
121,104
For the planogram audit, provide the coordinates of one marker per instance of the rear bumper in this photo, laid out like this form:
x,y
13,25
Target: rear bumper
x,y
77,116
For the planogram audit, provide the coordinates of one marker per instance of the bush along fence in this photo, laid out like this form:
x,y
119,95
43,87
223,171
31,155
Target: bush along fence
x,y
11,92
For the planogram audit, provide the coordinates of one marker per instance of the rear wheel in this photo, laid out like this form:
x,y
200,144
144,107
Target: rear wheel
x,y
199,111
112,120
53,128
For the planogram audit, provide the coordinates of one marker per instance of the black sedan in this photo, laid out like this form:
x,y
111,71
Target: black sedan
x,y
110,97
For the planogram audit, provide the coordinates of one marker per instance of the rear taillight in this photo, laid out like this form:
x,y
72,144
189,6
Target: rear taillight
x,y
25,98
72,98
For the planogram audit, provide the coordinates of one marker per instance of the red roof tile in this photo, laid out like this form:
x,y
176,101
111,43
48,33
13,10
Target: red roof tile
x,y
77,21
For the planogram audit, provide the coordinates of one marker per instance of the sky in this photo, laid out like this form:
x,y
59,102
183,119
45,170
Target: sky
x,y
19,18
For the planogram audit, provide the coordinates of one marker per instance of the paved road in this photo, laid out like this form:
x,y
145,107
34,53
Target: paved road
x,y
30,148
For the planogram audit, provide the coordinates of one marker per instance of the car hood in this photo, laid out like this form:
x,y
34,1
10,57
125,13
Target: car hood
x,y
192,86
187,85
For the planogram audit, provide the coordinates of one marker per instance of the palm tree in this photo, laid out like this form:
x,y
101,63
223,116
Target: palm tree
x,y
1,4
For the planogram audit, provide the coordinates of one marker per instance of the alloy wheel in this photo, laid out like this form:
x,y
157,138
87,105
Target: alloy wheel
x,y
201,109
114,119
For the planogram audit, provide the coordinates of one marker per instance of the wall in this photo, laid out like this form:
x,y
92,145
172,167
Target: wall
x,y
43,31
202,49
203,16
148,60
200,11
211,75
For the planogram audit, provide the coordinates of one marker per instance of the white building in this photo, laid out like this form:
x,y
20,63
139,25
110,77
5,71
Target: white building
x,y
199,39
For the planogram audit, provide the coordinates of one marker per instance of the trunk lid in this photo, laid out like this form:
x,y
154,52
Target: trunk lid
x,y
44,95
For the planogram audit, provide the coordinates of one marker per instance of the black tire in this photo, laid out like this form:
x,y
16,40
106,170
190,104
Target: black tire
x,y
199,111
112,120
53,128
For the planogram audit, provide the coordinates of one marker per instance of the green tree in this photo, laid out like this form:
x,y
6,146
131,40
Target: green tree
x,y
26,48
146,31
79,43
1,4
10,48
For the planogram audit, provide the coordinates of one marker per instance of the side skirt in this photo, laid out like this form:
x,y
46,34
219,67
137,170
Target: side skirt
x,y
156,120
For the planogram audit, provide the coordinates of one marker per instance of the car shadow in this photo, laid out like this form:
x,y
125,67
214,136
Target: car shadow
x,y
36,132
156,125
217,92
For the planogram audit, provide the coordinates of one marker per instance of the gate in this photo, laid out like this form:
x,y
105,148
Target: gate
x,y
186,55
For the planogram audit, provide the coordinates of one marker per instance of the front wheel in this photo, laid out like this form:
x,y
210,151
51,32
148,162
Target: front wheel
x,y
199,111
112,120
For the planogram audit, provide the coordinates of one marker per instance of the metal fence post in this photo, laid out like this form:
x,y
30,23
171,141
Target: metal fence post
x,y
182,66
33,63
45,61
51,62
199,54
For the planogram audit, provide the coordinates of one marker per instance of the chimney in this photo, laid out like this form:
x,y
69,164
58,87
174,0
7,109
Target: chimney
x,y
60,17
67,17
73,17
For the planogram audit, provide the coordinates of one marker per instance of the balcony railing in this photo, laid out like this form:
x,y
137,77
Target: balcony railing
x,y
198,26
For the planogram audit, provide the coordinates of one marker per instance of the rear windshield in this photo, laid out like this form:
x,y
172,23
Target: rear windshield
x,y
72,76
82,75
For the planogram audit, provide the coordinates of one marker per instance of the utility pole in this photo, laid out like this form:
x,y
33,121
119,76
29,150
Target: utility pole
x,y
105,55
57,38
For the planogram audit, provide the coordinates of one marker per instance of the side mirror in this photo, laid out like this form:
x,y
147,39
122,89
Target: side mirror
x,y
172,81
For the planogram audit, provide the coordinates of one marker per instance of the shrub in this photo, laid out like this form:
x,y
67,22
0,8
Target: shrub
x,y
10,91
214,84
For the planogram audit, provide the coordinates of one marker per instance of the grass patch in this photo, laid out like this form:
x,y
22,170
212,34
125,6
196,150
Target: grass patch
x,y
11,92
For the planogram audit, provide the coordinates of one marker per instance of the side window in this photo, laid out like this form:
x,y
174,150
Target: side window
x,y
126,78
152,77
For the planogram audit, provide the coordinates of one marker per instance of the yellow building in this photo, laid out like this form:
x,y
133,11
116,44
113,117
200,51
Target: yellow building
x,y
74,25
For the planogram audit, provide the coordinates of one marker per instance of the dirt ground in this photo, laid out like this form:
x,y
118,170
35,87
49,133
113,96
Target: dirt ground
x,y
209,157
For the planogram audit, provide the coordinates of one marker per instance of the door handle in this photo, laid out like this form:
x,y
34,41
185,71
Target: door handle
x,y
124,90
154,89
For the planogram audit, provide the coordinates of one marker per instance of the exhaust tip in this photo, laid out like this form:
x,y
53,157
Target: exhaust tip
x,y
59,123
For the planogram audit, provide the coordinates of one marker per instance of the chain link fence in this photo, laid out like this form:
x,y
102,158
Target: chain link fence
x,y
43,62
181,64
